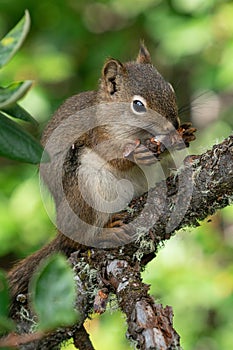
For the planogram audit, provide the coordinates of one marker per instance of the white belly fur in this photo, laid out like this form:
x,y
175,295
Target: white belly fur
x,y
109,190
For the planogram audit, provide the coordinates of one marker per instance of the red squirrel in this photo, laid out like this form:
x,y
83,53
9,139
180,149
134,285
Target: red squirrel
x,y
95,163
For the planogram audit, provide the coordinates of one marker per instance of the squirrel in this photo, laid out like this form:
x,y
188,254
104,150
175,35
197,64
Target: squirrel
x,y
95,172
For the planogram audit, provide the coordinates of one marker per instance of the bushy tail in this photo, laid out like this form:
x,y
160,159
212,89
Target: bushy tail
x,y
22,272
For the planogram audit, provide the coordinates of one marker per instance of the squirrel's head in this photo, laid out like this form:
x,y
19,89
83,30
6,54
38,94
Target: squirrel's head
x,y
139,83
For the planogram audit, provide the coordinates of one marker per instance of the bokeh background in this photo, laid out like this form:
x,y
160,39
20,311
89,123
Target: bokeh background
x,y
191,43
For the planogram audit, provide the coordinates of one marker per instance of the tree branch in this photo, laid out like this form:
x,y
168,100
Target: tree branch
x,y
82,340
203,185
149,324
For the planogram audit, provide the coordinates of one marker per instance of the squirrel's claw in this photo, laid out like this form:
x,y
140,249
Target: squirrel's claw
x,y
116,220
143,156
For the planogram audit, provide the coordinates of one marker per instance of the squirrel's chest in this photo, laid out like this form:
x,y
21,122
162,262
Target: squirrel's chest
x,y
102,181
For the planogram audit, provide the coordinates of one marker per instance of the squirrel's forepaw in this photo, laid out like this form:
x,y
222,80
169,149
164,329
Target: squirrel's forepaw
x,y
139,153
143,156
178,139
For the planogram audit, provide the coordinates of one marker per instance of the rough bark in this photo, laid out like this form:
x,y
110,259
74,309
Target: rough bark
x,y
203,185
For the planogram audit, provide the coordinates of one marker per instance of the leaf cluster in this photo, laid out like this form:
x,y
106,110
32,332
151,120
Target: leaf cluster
x,y
15,142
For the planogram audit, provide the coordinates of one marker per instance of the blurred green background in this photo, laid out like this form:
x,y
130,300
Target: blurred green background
x,y
191,43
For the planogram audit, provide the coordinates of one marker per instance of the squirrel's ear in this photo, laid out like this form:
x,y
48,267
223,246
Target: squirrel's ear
x,y
143,55
111,70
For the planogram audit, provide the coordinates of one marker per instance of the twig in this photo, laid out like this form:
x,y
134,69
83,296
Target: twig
x,y
15,340
82,340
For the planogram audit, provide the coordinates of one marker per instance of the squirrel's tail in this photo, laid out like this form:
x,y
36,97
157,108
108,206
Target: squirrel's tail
x,y
20,275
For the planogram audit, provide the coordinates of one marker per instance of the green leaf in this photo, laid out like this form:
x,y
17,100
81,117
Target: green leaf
x,y
17,144
53,293
4,295
12,93
6,324
13,40
19,112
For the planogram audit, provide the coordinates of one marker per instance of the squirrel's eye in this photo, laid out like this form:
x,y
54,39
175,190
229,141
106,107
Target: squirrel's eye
x,y
138,106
